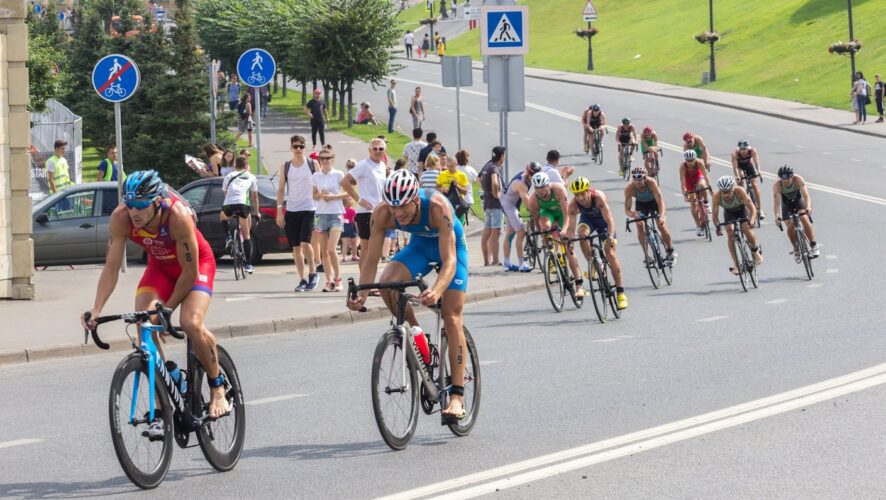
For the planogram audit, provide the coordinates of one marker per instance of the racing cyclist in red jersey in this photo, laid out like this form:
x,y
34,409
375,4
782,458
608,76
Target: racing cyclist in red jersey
x,y
693,177
180,270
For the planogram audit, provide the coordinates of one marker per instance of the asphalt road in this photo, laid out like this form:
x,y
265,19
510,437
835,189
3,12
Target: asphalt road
x,y
700,390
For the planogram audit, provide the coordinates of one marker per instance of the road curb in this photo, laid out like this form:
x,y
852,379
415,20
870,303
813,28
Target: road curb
x,y
241,330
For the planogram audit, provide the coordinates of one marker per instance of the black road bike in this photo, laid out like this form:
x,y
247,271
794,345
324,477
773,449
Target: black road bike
x,y
654,255
600,283
805,248
747,268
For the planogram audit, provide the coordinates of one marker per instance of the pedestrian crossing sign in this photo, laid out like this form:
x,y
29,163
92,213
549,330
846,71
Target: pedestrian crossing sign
x,y
504,30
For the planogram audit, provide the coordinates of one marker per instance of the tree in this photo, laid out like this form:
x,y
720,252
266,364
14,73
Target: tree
x,y
47,78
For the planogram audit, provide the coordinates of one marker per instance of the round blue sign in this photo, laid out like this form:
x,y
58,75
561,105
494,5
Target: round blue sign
x,y
61,16
256,67
115,78
38,8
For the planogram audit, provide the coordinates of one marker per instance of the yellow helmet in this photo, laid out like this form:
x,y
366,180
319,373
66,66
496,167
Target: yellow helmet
x,y
580,185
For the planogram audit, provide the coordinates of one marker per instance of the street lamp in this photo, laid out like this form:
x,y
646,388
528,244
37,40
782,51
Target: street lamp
x,y
713,75
851,48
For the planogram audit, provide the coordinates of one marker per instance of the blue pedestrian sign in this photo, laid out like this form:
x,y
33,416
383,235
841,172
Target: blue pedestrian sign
x,y
115,78
61,16
256,67
38,9
504,30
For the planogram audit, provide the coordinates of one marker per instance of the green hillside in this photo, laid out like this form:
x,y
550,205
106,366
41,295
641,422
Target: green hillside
x,y
771,48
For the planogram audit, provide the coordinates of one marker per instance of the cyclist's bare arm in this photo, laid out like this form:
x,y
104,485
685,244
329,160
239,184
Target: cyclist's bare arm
x,y
776,200
683,179
659,199
118,233
715,209
605,211
523,191
573,217
532,206
255,202
441,217
757,162
629,199
184,233
805,191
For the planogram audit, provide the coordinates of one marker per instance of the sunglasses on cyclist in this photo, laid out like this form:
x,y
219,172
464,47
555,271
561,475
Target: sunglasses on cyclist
x,y
138,203
638,176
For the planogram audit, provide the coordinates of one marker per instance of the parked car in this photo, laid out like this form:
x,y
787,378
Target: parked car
x,y
71,226
206,197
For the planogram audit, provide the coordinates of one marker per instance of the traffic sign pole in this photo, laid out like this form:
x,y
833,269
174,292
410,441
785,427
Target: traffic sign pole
x,y
458,104
590,49
213,98
259,162
118,133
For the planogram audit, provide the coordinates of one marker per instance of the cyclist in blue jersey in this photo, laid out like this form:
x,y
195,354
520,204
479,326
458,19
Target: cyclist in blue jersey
x,y
437,236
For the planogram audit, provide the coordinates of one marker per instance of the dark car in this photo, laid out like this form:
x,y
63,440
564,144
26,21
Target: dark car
x,y
206,198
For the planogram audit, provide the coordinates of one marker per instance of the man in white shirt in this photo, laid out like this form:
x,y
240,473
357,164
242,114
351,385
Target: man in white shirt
x,y
413,149
369,176
241,200
298,217
462,158
556,173
409,41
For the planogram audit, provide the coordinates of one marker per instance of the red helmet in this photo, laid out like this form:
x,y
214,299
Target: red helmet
x,y
647,131
688,136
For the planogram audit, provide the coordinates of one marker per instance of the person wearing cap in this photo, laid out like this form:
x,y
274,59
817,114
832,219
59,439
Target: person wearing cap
x,y
392,105
317,112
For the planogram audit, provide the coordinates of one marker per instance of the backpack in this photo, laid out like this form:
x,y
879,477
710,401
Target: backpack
x,y
458,201
241,110
286,170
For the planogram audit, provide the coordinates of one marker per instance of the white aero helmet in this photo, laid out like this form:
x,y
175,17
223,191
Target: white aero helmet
x,y
726,183
540,180
400,188
689,155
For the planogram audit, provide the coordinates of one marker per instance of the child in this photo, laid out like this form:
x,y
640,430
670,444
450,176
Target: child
x,y
349,231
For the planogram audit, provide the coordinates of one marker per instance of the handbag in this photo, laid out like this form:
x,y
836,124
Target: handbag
x,y
458,201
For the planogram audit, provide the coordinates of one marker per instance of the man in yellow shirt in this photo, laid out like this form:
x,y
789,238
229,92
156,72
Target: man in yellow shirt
x,y
452,176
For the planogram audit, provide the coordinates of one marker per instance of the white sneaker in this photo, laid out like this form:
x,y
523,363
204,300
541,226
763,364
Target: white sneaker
x,y
815,252
250,269
797,257
700,231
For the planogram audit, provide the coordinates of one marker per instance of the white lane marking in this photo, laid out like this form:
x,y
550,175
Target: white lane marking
x,y
712,318
583,456
322,301
614,339
830,257
828,153
19,442
610,171
777,301
752,135
799,146
832,271
814,285
856,160
238,299
475,118
527,138
490,362
487,124
275,399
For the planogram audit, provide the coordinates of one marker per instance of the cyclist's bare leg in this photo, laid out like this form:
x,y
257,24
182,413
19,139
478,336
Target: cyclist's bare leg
x,y
756,187
246,227
749,234
518,244
506,245
665,235
453,303
641,233
791,234
810,231
193,313
144,301
396,271
614,264
729,244
693,204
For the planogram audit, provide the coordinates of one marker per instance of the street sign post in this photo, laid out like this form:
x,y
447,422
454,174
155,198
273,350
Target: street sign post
x,y
115,78
457,72
589,13
256,68
504,30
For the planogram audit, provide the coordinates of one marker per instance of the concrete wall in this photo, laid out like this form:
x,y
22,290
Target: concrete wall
x,y
16,245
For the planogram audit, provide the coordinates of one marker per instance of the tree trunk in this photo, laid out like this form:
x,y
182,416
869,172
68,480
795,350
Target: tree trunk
x,y
341,96
350,104
334,100
304,92
283,75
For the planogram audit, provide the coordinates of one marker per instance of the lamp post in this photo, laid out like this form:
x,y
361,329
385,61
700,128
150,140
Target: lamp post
x,y
851,48
590,49
713,75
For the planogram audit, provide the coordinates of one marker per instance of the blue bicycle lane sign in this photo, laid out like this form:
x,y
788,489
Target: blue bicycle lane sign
x,y
256,67
115,77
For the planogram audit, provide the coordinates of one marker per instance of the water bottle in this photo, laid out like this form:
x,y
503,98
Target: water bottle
x,y
418,336
177,376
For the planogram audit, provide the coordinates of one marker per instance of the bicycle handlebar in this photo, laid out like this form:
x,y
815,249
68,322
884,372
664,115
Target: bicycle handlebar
x,y
400,286
798,214
642,218
162,312
738,221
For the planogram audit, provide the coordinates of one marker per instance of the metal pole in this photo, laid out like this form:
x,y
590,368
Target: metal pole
x,y
118,131
505,116
713,63
458,102
590,50
851,37
258,162
212,103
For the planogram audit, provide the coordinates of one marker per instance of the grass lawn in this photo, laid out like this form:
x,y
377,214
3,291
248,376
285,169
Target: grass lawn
x,y
775,49
91,158
409,18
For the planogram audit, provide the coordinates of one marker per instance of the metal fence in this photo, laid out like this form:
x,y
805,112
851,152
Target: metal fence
x,y
57,122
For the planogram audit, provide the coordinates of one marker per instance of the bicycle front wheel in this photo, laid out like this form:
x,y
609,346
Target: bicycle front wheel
x,y
804,253
530,252
554,282
144,459
651,261
221,440
742,262
598,290
394,401
472,387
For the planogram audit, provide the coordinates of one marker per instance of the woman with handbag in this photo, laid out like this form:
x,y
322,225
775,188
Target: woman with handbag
x,y
862,99
244,112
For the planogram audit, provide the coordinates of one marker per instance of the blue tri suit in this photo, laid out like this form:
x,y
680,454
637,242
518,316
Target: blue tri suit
x,y
424,245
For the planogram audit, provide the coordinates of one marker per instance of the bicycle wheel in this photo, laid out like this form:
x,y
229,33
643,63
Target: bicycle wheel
x,y
651,261
753,195
610,290
221,440
752,264
395,406
738,246
666,266
804,253
144,460
472,387
598,290
530,252
554,282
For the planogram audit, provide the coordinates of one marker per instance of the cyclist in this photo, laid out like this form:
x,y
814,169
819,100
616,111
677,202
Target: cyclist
x,y
736,205
649,143
626,134
437,236
549,207
791,196
696,143
241,200
591,209
745,160
180,270
593,119
693,176
648,200
516,194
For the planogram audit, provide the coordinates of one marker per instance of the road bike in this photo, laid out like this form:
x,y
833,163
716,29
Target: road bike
x,y
557,274
148,408
746,183
747,268
654,257
654,162
597,146
401,383
803,245
701,209
627,152
238,255
601,286
531,248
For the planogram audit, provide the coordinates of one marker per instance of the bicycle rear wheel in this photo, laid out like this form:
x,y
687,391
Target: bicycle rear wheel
x,y
144,460
611,291
598,290
554,282
236,251
472,386
651,261
394,405
221,440
752,269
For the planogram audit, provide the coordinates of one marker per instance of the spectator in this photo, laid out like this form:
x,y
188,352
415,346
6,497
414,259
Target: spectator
x,y
879,94
349,231
369,176
452,178
384,156
245,152
316,111
244,113
860,97
392,105
433,146
365,116
265,93
441,47
328,194
399,164
213,154
57,168
220,89
412,150
298,217
556,173
417,108
491,182
227,163
108,168
431,171
233,92
463,158
425,46
409,41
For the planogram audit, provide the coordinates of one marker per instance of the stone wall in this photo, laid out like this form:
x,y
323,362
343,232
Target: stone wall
x,y
16,245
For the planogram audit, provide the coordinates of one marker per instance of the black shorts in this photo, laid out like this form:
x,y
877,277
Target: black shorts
x,y
789,208
299,226
237,209
363,227
646,207
733,215
749,171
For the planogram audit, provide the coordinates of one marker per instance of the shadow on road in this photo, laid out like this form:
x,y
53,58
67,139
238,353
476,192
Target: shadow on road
x,y
319,451
88,489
